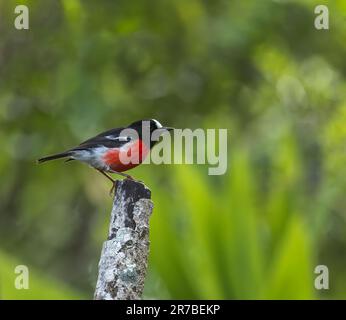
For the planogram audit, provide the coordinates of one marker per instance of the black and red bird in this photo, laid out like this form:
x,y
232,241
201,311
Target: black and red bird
x,y
105,151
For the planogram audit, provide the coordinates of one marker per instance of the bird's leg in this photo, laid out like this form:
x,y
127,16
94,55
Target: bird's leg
x,y
106,175
113,189
123,174
113,181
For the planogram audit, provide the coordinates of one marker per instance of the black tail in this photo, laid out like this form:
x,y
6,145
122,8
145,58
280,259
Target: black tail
x,y
54,156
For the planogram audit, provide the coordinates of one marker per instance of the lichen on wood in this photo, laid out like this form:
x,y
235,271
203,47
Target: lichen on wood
x,y
124,256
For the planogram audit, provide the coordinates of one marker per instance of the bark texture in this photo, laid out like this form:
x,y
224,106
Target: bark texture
x,y
124,256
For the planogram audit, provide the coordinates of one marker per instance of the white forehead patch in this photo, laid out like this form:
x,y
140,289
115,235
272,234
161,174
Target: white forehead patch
x,y
158,124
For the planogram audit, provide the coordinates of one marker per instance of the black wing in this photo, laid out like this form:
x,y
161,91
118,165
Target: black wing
x,y
110,139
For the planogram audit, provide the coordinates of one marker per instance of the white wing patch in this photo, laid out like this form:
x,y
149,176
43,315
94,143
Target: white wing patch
x,y
118,138
158,124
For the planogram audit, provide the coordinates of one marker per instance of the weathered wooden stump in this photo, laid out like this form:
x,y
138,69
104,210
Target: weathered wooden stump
x,y
124,256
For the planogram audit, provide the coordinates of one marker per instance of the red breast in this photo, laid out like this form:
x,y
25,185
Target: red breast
x,y
134,153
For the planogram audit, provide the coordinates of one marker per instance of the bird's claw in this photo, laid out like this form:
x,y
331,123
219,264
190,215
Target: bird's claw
x,y
113,190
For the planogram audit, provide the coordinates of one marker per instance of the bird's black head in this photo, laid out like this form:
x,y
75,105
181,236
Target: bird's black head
x,y
150,125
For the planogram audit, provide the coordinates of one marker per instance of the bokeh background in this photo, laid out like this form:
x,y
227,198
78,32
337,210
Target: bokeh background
x,y
258,68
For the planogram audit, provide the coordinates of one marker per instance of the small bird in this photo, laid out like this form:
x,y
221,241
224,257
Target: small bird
x,y
106,151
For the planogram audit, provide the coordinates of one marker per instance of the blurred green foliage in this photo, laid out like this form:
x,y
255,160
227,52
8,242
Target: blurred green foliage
x,y
40,286
258,68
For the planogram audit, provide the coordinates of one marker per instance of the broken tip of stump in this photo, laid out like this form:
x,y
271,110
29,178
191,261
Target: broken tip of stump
x,y
124,257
